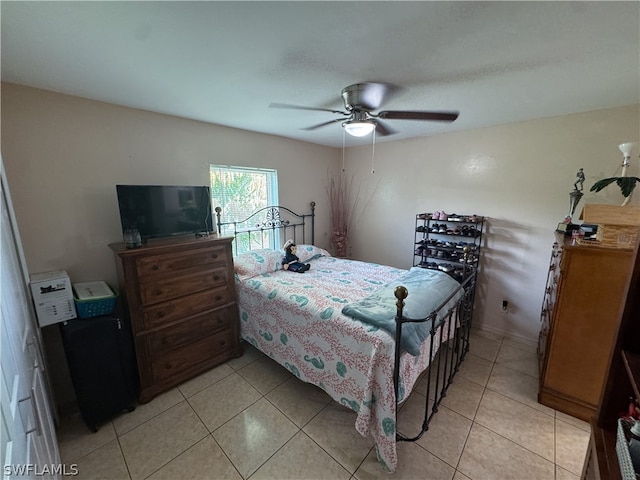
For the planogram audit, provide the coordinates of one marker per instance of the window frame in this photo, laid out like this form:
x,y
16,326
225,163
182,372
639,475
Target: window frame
x,y
242,243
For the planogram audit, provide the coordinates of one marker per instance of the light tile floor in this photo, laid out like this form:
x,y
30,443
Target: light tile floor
x,y
251,419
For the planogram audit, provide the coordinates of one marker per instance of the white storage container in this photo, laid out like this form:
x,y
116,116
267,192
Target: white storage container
x,y
52,297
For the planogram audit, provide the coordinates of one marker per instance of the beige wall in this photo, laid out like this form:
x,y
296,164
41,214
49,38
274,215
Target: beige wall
x,y
518,175
63,155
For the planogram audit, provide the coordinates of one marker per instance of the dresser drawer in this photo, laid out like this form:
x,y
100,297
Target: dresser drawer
x,y
193,356
175,262
190,330
167,289
163,313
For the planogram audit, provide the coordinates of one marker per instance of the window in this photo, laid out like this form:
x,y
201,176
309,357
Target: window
x,y
240,191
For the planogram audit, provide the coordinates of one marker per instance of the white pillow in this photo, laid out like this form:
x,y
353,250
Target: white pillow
x,y
257,262
309,252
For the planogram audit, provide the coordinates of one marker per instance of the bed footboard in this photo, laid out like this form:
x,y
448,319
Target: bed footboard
x,y
449,344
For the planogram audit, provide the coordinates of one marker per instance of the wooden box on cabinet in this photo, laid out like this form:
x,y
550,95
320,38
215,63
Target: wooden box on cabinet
x,y
611,214
181,298
582,324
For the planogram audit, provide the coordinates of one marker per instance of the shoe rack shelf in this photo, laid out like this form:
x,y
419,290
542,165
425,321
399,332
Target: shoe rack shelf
x,y
448,242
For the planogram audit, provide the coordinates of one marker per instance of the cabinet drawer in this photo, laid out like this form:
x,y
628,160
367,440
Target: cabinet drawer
x,y
167,289
174,263
190,330
191,356
163,313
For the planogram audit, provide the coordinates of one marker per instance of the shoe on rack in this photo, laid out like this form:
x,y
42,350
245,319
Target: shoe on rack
x,y
443,216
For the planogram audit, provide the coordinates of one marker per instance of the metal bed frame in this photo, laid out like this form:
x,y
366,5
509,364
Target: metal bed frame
x,y
456,320
269,220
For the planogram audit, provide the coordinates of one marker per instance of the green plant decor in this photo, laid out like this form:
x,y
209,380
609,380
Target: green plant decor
x,y
626,184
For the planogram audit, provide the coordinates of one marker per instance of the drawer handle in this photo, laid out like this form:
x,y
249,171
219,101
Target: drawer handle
x,y
214,256
223,342
160,314
155,267
167,366
218,297
220,321
157,292
165,341
216,277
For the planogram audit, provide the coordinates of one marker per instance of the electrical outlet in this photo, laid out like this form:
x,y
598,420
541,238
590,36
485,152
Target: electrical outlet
x,y
505,306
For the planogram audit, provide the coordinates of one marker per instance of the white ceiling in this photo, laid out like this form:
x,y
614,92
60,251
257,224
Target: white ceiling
x,y
225,62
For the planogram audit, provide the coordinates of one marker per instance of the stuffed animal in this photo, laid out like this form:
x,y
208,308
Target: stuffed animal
x,y
291,261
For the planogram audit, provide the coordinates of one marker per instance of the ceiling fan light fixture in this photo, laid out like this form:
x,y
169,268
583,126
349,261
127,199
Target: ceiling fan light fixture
x,y
359,128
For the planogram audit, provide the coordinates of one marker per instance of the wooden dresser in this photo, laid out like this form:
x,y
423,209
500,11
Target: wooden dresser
x,y
580,319
181,298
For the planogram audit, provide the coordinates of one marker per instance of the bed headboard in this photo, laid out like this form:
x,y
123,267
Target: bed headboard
x,y
269,227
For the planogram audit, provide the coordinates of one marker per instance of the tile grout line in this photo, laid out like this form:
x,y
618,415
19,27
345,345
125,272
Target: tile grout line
x,y
473,420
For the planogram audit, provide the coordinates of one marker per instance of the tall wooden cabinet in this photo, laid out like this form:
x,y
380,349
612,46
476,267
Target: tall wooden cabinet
x,y
580,320
181,299
623,383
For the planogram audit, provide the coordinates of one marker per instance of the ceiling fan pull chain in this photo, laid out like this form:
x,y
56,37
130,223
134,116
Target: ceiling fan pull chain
x,y
373,150
344,134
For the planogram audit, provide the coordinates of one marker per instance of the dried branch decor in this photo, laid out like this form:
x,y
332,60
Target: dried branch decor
x,y
343,199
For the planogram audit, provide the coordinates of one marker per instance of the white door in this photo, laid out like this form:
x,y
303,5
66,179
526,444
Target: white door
x,y
27,434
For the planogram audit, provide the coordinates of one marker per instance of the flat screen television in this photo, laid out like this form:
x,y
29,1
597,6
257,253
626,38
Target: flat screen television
x,y
165,210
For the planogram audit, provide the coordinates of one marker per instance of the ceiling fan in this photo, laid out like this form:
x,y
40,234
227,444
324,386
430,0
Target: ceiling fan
x,y
360,100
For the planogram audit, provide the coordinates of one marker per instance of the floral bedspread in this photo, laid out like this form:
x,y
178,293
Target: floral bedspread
x,y
296,319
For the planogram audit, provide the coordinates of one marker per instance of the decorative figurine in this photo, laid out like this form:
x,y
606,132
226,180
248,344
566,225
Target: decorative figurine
x,y
580,180
576,194
291,261
567,226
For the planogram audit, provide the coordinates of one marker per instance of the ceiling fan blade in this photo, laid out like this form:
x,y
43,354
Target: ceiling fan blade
x,y
324,124
418,115
384,130
300,107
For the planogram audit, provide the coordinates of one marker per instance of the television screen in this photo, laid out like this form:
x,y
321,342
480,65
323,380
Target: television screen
x,y
163,210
